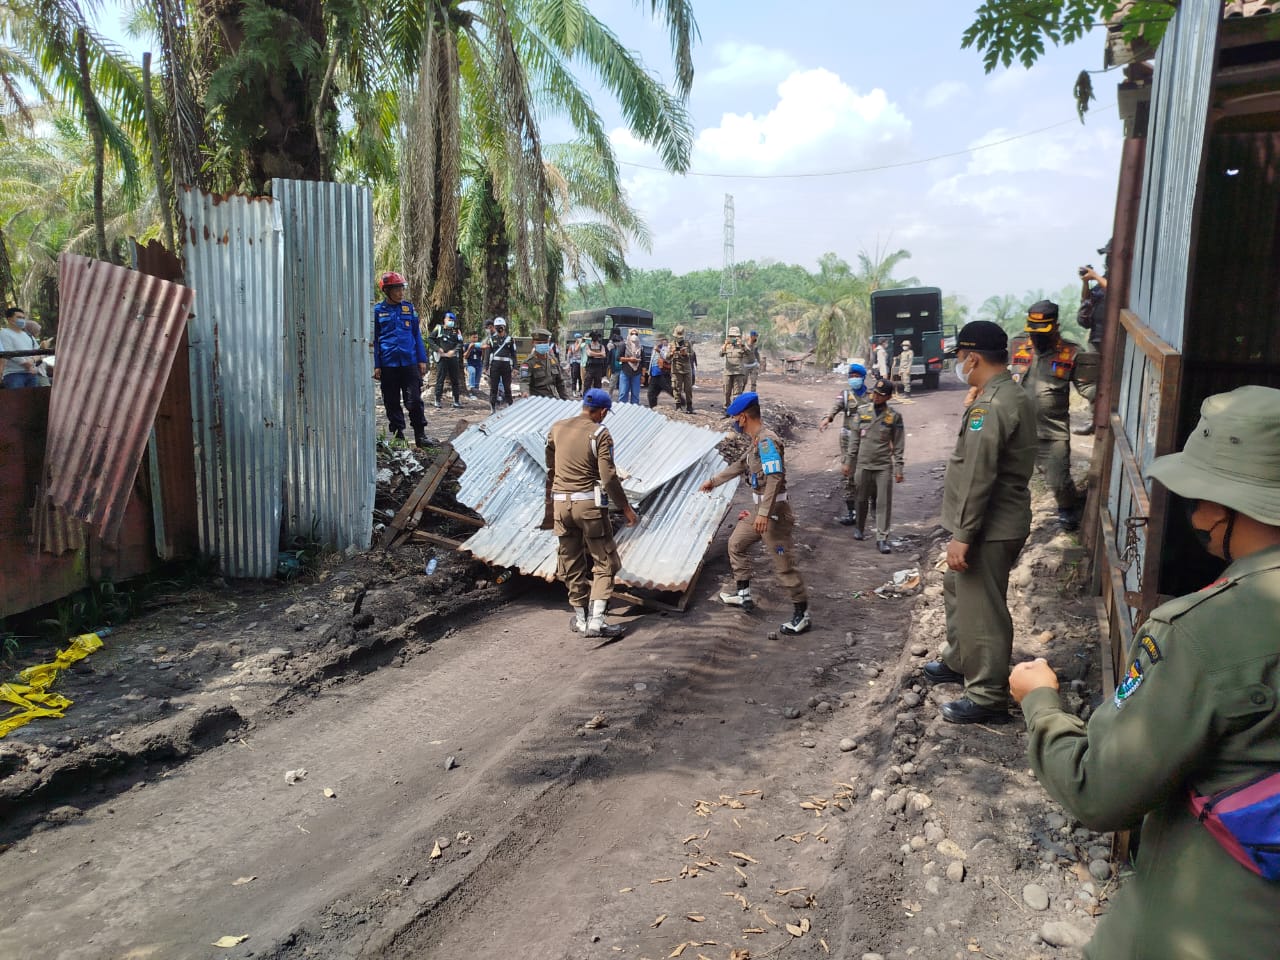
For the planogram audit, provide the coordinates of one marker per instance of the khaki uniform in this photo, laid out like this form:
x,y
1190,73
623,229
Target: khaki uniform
x,y
735,380
765,469
848,407
751,365
546,379
1196,707
682,360
1048,378
874,453
986,504
579,459
905,359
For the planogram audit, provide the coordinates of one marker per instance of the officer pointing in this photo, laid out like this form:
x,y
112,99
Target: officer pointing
x,y
1194,716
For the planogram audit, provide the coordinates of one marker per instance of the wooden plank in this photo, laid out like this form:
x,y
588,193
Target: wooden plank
x,y
1106,664
410,514
1131,472
649,602
426,536
1146,339
1122,613
683,604
453,515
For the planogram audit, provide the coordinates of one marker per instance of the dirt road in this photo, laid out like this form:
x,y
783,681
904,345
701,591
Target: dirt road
x,y
793,797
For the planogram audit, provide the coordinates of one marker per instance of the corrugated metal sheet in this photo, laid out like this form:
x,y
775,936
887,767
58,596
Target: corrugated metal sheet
x,y
330,463
663,462
117,337
235,262
1175,147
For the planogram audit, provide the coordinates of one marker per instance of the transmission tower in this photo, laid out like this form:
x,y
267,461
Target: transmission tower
x,y
728,276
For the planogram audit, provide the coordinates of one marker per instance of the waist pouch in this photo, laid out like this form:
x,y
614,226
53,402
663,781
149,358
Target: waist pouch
x,y
1245,820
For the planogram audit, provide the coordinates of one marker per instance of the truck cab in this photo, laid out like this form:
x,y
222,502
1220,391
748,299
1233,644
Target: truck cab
x,y
914,314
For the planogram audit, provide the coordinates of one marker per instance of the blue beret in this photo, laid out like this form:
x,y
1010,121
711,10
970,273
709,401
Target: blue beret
x,y
858,369
597,399
449,314
740,403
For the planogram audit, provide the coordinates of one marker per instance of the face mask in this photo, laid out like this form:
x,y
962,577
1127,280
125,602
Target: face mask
x,y
1203,537
21,324
1042,341
855,384
449,324
961,375
542,347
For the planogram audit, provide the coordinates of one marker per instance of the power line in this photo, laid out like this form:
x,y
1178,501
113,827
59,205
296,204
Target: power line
x,y
855,170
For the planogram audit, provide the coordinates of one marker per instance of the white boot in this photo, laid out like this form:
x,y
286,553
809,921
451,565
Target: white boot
x,y
579,622
741,598
596,627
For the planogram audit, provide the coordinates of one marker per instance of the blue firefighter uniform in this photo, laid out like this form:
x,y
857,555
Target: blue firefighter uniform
x,y
397,352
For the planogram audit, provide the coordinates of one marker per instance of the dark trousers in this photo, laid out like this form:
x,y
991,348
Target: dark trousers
x,y
403,383
575,377
450,367
595,375
499,376
658,383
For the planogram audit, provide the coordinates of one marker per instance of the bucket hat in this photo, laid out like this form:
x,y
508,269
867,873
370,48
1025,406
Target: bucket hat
x,y
1232,456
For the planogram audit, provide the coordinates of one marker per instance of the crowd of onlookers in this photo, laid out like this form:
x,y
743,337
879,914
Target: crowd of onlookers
x,y
20,335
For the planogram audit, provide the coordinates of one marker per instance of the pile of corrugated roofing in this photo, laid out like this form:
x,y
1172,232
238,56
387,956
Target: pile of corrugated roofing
x,y
662,462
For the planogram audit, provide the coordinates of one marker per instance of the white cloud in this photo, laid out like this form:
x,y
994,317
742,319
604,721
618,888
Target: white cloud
x,y
1008,81
941,94
747,63
818,122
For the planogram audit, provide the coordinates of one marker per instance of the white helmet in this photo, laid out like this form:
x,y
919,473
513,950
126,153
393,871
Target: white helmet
x,y
499,322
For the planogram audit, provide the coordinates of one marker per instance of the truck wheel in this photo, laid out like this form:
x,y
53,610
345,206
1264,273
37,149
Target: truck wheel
x,y
931,380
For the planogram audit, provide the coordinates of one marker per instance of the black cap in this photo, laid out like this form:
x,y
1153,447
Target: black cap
x,y
882,386
982,335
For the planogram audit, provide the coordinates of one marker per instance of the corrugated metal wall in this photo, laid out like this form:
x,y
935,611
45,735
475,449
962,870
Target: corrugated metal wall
x,y
235,263
330,464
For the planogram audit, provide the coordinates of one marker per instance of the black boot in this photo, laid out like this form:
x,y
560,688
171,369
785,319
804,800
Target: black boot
x,y
883,546
860,531
850,518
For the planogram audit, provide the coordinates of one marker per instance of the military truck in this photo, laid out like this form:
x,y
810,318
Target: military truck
x,y
915,314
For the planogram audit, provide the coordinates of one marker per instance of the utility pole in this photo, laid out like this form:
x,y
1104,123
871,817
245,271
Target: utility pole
x,y
728,277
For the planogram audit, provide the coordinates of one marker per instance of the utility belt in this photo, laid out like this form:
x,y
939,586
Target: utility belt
x,y
780,498
506,360
596,496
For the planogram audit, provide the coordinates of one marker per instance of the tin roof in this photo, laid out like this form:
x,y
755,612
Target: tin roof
x,y
117,337
663,462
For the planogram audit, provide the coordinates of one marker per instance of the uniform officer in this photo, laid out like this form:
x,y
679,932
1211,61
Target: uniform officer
x,y
848,407
581,483
875,447
772,521
682,360
1047,365
399,358
1196,710
546,379
502,361
905,359
751,360
986,507
446,341
735,380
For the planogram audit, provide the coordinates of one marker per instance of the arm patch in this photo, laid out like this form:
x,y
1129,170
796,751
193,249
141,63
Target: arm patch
x,y
770,457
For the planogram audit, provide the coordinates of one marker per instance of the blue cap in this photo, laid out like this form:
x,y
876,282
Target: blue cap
x,y
858,369
740,403
597,399
754,334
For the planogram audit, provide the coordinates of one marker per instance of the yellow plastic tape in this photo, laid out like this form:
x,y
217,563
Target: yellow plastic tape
x,y
30,698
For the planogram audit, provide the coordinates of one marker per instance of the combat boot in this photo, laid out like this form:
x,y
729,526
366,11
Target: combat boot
x,y
579,622
596,627
883,546
742,598
799,621
850,518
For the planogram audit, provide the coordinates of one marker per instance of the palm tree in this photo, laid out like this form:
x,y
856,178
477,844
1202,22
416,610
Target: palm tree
x,y
836,308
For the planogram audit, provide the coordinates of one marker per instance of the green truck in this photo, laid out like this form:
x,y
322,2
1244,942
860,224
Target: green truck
x,y
915,314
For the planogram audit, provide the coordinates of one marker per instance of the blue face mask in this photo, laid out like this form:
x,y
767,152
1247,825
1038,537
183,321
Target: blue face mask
x,y
542,347
855,383
449,324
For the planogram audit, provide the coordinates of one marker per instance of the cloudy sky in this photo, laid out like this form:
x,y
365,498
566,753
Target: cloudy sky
x,y
828,86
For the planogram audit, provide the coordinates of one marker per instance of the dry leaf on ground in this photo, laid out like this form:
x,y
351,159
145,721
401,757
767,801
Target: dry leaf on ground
x,y
227,943
657,921
241,881
436,852
743,856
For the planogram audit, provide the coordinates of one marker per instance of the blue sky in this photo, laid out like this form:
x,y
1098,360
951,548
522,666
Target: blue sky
x,y
832,86
827,86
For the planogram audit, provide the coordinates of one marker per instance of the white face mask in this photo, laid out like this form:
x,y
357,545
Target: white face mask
x,y
961,375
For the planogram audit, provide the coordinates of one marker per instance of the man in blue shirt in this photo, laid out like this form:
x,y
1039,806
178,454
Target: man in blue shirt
x,y
399,358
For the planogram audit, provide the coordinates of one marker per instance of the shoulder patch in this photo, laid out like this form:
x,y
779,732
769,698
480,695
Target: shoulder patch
x,y
1129,686
405,308
770,457
1147,655
977,417
888,419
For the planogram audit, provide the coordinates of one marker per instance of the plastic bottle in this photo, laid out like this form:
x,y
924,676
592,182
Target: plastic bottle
x,y
504,576
431,566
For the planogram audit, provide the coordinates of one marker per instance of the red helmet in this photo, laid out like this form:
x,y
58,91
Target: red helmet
x,y
391,279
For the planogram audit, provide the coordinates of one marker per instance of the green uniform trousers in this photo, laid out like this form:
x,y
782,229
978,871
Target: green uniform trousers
x,y
682,387
753,377
979,640
734,384
777,540
851,481
875,490
587,558
1054,458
